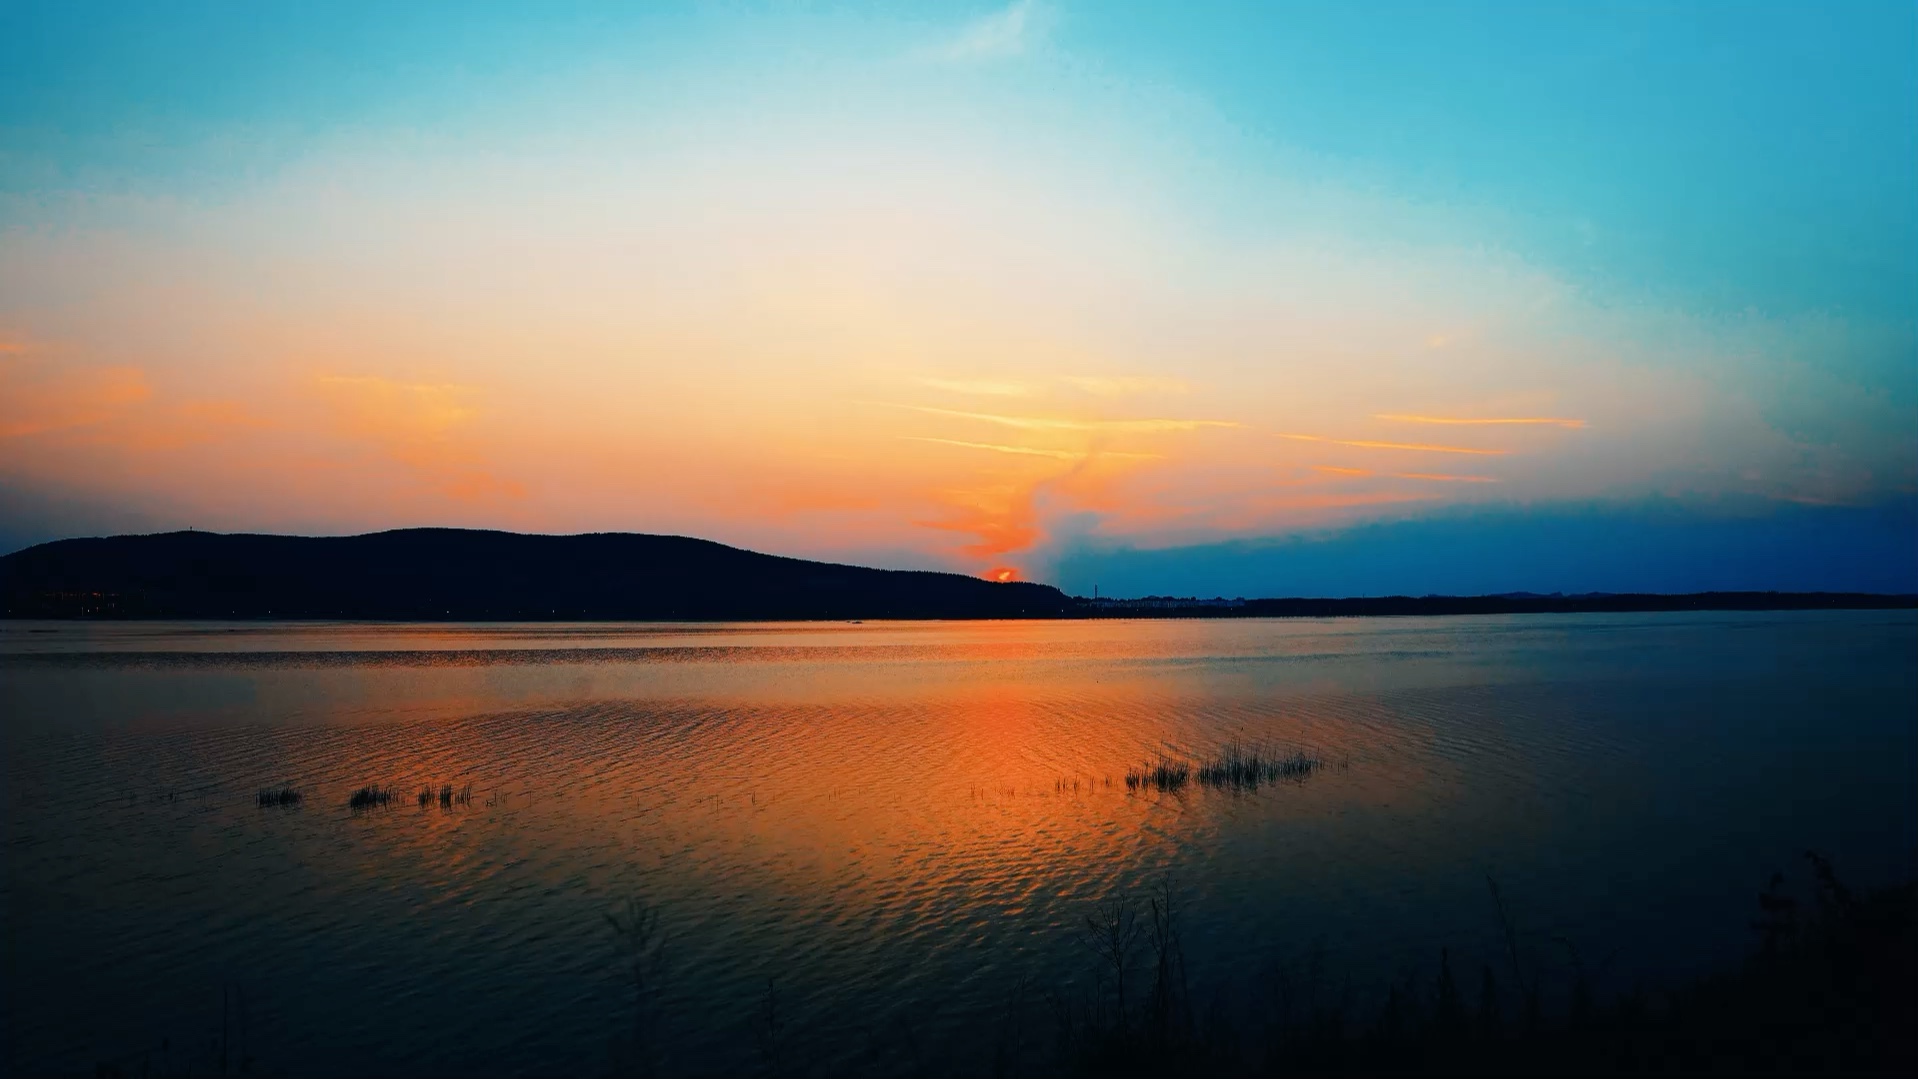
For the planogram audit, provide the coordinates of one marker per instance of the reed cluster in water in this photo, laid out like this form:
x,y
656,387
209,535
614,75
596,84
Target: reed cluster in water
x,y
370,798
1166,775
1235,767
447,795
279,796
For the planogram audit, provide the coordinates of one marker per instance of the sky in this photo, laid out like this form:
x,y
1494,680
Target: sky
x,y
1213,299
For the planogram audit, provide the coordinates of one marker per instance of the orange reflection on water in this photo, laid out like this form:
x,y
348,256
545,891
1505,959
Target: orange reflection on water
x,y
870,769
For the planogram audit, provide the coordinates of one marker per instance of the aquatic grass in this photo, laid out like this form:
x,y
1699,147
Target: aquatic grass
x,y
279,796
1238,768
1235,767
448,797
373,797
1166,774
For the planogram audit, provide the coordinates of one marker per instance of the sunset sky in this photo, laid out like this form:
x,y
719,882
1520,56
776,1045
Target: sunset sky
x,y
1247,299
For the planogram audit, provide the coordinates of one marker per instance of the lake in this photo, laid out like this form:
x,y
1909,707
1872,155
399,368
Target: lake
x,y
873,848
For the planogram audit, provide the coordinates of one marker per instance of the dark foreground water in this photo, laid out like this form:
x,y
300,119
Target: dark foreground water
x,y
899,827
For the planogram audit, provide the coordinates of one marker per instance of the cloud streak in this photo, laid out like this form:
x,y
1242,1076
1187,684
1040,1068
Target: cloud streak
x,y
979,387
421,425
1046,423
1007,32
1122,385
1460,421
1438,477
37,398
1063,455
1410,447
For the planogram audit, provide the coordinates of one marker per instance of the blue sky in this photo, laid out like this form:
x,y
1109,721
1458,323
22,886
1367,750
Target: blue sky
x,y
977,286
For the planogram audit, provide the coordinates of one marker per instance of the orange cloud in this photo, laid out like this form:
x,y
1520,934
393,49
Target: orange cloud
x,y
37,398
187,423
1437,476
421,425
1043,423
1320,501
1063,455
1120,385
998,533
791,500
1408,446
1536,421
1001,516
1442,478
981,387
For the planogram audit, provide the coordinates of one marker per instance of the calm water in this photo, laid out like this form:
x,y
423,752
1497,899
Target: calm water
x,y
897,825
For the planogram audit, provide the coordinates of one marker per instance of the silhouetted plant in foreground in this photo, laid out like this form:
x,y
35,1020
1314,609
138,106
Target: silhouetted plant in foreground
x,y
224,1054
1830,988
769,1031
284,797
1119,1030
1833,989
642,951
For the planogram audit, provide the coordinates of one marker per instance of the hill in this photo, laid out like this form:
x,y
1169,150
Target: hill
x,y
450,574
467,575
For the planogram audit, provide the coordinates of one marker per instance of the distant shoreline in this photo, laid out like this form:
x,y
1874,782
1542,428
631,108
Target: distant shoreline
x,y
1163,610
1434,606
462,575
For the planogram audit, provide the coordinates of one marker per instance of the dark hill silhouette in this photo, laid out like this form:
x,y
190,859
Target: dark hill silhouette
x,y
460,574
453,574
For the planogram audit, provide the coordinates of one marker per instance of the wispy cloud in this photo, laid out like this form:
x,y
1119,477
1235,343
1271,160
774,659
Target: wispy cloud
x,y
1028,451
1460,421
980,387
1063,455
422,425
1440,477
1444,478
1123,385
1009,31
1096,385
39,397
1048,423
1409,446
